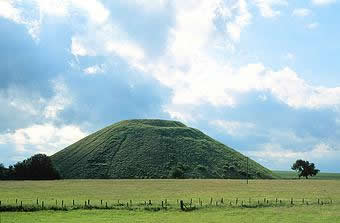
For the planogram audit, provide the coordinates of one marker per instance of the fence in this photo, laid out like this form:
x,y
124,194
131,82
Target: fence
x,y
184,205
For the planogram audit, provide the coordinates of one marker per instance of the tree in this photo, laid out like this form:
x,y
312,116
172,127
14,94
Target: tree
x,y
3,172
178,171
37,167
304,168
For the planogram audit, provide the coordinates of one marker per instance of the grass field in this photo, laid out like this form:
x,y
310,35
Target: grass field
x,y
320,176
156,190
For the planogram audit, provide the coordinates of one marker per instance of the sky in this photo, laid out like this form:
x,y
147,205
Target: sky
x,y
261,76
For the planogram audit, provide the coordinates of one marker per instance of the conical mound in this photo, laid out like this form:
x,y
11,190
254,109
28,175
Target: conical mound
x,y
153,149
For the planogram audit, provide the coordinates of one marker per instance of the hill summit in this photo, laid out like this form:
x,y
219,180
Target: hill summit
x,y
153,149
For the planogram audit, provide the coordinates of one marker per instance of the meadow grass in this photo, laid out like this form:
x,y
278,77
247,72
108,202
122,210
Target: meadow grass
x,y
139,191
319,176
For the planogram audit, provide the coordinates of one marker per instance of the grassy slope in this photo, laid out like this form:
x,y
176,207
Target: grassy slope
x,y
319,176
152,149
157,190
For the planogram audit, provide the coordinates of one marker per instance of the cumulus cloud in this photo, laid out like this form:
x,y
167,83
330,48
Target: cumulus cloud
x,y
240,22
59,101
192,66
11,12
277,157
234,128
46,138
59,8
197,76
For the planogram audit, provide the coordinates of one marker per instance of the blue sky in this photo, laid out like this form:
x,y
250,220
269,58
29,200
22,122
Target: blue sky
x,y
262,76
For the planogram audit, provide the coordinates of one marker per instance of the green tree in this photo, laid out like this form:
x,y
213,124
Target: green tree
x,y
3,172
304,168
37,167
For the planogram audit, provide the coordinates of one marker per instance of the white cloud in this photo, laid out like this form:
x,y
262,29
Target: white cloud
x,y
79,49
127,50
60,100
181,113
234,128
192,70
95,10
33,106
241,21
313,25
302,12
266,7
10,12
46,138
277,157
96,69
22,101
58,8
32,18
323,2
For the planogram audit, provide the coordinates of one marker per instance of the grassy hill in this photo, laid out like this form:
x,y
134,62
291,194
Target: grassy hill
x,y
153,149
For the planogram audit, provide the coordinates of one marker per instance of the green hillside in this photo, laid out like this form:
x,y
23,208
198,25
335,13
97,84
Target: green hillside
x,y
153,149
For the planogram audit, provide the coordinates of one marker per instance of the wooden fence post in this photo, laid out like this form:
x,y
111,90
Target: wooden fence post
x,y
182,205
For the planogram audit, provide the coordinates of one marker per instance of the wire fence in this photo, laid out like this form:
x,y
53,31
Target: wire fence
x,y
7,205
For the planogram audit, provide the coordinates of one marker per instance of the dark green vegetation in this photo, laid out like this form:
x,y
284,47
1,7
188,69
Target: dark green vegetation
x,y
294,175
305,169
116,192
37,167
153,149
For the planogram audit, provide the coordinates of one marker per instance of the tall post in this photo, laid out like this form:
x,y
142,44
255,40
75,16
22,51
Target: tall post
x,y
247,170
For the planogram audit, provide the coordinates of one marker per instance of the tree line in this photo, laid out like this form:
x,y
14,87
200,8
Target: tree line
x,y
37,167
